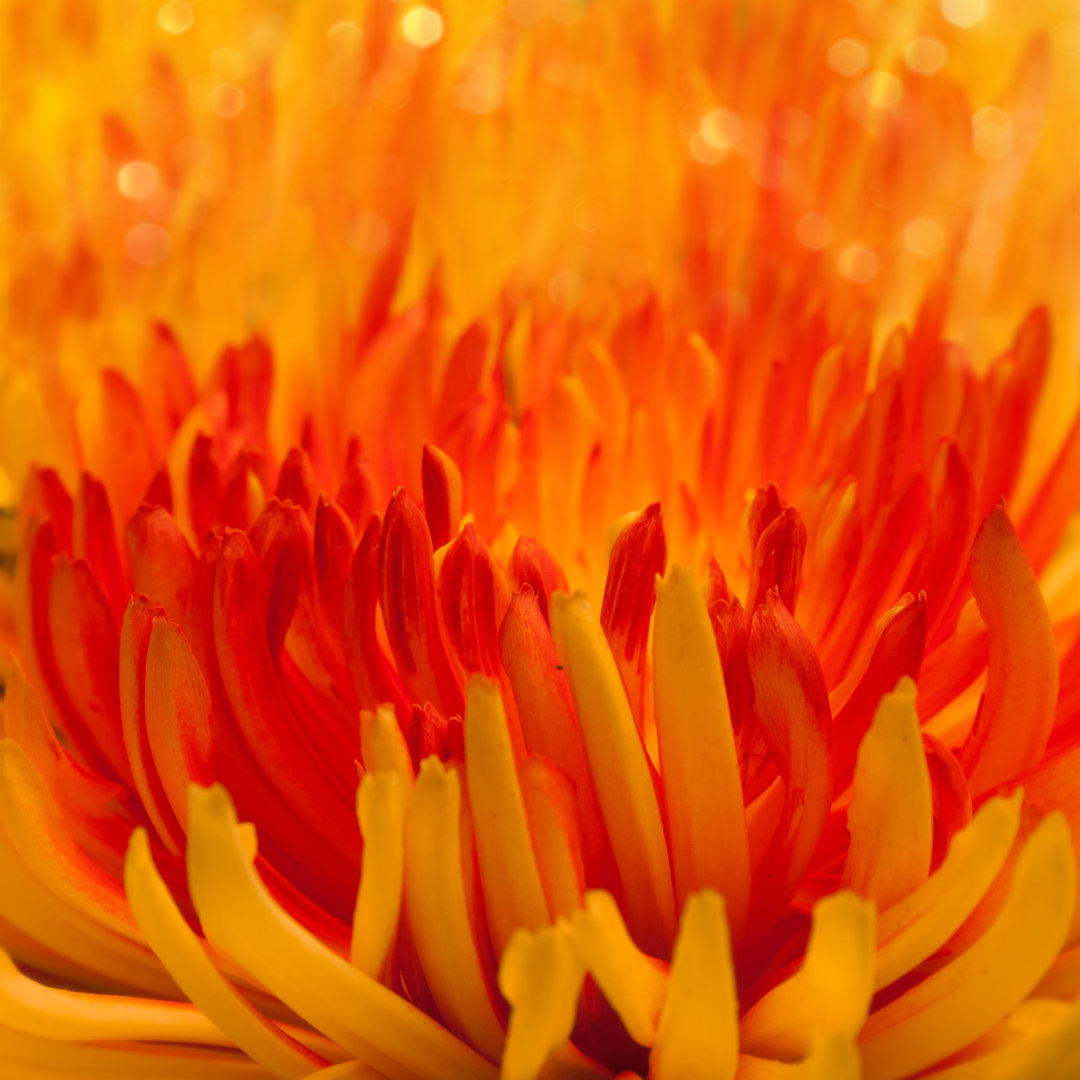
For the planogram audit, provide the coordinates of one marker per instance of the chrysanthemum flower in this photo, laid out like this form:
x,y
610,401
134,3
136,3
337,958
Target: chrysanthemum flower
x,y
539,540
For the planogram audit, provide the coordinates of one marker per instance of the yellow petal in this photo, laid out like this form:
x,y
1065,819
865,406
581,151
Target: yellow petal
x,y
438,912
26,1057
620,770
70,1016
832,1057
829,994
176,945
513,893
541,975
957,1003
698,1034
380,806
1050,1053
382,744
697,750
917,926
891,817
633,983
240,916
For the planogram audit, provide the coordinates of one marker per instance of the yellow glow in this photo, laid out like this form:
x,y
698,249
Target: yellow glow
x,y
422,26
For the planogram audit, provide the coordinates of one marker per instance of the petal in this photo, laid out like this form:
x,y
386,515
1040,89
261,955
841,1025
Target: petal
x,y
162,562
777,561
551,808
706,821
441,480
380,803
918,925
620,770
383,744
638,554
185,958
633,983
513,893
793,710
546,713
406,585
959,1002
1017,712
364,1017
531,564
891,817
438,911
541,976
698,1033
829,994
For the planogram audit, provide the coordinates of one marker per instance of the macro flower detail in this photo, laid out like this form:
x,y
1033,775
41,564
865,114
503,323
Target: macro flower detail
x,y
539,541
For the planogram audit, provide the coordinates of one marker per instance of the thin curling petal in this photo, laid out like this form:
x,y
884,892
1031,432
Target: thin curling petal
x,y
438,909
698,1034
620,770
178,948
891,817
698,765
632,982
406,590
1013,725
829,994
441,479
962,1000
380,806
364,1017
513,893
541,976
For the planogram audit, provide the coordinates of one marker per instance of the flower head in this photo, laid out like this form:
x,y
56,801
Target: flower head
x,y
540,542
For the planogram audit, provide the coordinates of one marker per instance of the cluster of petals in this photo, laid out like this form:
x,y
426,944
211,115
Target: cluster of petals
x,y
349,731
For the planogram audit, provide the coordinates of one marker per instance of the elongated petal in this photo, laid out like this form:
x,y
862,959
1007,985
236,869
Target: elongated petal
x,y
956,1004
237,912
1014,721
380,802
438,910
916,926
632,982
175,943
698,1035
541,976
619,768
697,751
829,994
513,893
891,817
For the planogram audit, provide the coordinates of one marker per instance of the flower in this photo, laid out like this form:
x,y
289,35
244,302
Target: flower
x,y
344,734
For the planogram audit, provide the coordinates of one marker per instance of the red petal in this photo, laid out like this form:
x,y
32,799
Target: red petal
x,y
475,598
94,539
204,485
162,562
297,481
159,490
952,799
793,709
441,479
533,565
168,390
359,494
407,597
637,556
85,647
246,374
1016,714
45,497
374,678
897,652
777,561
